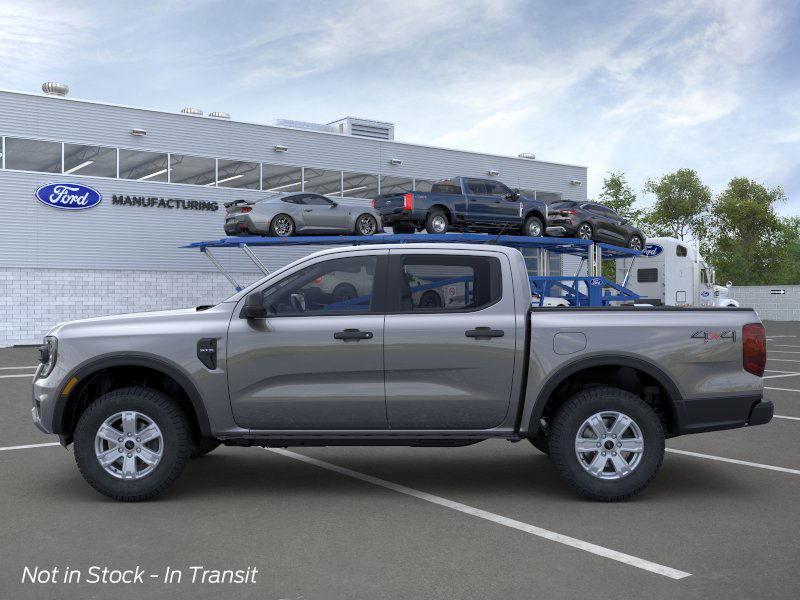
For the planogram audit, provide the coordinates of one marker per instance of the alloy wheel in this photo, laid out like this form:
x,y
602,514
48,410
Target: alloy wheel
x,y
635,243
282,226
439,223
609,445
367,225
534,228
129,445
585,232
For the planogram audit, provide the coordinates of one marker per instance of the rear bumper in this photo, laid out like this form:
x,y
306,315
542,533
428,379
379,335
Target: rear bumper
x,y
712,414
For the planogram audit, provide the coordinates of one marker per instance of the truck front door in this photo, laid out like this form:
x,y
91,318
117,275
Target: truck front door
x,y
449,360
316,360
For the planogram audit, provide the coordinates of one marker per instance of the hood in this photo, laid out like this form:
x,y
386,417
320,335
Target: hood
x,y
123,319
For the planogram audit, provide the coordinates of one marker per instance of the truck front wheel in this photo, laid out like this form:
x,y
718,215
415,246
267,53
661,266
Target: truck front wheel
x,y
132,443
607,443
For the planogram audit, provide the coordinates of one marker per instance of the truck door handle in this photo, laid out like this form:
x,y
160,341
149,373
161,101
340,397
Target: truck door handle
x,y
308,210
353,334
484,332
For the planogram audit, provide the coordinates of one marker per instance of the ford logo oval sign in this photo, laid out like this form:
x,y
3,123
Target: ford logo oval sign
x,y
595,282
68,196
652,250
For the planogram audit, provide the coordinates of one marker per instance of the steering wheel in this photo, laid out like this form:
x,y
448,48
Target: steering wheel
x,y
298,302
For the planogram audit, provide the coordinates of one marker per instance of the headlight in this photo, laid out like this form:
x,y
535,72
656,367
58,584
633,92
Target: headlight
x,y
48,353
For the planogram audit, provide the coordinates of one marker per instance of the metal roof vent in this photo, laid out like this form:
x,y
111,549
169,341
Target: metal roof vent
x,y
527,155
377,130
219,115
51,88
192,111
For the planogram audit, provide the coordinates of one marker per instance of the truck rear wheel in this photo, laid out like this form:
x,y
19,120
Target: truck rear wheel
x,y
607,443
437,222
132,443
533,227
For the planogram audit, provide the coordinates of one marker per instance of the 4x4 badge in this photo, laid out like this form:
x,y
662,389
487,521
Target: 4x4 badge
x,y
708,336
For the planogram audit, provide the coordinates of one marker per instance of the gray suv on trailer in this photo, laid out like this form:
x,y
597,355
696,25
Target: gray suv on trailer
x,y
288,362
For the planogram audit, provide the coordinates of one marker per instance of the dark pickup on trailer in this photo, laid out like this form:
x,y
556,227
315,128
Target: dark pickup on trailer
x,y
463,204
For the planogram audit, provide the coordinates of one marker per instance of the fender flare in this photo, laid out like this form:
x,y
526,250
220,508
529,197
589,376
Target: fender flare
x,y
93,365
674,396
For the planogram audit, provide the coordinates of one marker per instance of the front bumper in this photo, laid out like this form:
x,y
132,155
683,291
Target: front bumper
x,y
712,414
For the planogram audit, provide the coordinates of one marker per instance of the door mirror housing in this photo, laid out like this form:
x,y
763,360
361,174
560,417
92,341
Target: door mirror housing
x,y
253,307
512,196
334,204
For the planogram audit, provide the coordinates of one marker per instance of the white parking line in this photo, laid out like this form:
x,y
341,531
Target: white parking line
x,y
783,352
22,375
784,375
786,417
781,389
29,446
15,368
783,359
782,336
735,461
785,346
489,516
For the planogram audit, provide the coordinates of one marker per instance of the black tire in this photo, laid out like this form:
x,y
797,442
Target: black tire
x,y
276,229
205,446
636,242
566,427
403,228
434,220
430,299
579,232
533,227
164,412
359,230
541,443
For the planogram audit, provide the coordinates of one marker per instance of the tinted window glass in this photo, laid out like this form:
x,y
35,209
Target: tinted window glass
x,y
315,200
33,155
647,275
476,186
196,170
299,199
495,188
330,287
681,250
442,283
90,160
280,178
446,186
144,166
238,174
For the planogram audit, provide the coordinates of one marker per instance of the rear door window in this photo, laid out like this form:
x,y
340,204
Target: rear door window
x,y
443,283
477,187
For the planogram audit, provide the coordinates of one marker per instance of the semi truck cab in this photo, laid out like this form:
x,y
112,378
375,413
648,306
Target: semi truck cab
x,y
670,272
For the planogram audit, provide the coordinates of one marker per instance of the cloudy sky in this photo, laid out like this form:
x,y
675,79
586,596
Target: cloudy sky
x,y
645,87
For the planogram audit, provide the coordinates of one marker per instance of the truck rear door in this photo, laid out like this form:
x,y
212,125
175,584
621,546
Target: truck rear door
x,y
449,362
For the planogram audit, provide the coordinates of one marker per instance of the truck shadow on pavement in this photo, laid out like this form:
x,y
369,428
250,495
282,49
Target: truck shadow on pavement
x,y
258,474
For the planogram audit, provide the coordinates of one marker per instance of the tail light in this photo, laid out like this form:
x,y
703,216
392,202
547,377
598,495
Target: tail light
x,y
754,348
246,209
566,213
408,201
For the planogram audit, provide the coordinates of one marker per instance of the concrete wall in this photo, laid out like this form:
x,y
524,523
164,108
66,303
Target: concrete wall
x,y
774,307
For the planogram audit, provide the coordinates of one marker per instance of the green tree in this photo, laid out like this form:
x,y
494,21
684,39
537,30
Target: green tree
x,y
681,206
618,195
750,243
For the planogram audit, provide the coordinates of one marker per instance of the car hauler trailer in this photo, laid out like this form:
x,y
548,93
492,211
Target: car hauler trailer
x,y
670,272
592,289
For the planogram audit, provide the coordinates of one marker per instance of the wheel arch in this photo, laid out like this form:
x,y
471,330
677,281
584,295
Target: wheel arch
x,y
535,212
630,373
443,207
114,371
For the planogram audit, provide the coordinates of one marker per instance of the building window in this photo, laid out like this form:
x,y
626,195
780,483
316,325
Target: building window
x,y
33,155
423,185
396,185
194,170
144,166
280,178
360,185
321,181
96,161
237,174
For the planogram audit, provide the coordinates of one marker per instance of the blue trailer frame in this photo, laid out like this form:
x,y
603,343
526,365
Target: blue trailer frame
x,y
599,291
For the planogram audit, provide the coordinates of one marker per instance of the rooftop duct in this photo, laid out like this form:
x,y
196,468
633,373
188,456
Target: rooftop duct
x,y
51,88
192,111
303,125
376,130
219,115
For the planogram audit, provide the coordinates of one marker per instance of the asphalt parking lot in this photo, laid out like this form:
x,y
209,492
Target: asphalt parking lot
x,y
485,521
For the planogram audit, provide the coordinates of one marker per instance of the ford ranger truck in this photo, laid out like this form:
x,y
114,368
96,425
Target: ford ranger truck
x,y
287,363
464,204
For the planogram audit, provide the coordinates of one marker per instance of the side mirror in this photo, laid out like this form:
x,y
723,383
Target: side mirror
x,y
334,204
254,307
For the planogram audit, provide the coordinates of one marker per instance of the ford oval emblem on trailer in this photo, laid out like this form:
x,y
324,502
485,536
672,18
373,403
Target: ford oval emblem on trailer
x,y
652,250
68,196
595,281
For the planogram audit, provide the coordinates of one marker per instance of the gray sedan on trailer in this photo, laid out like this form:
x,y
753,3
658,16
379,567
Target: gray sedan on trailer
x,y
298,213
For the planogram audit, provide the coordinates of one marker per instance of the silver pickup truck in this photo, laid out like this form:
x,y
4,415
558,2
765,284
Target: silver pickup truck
x,y
288,362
